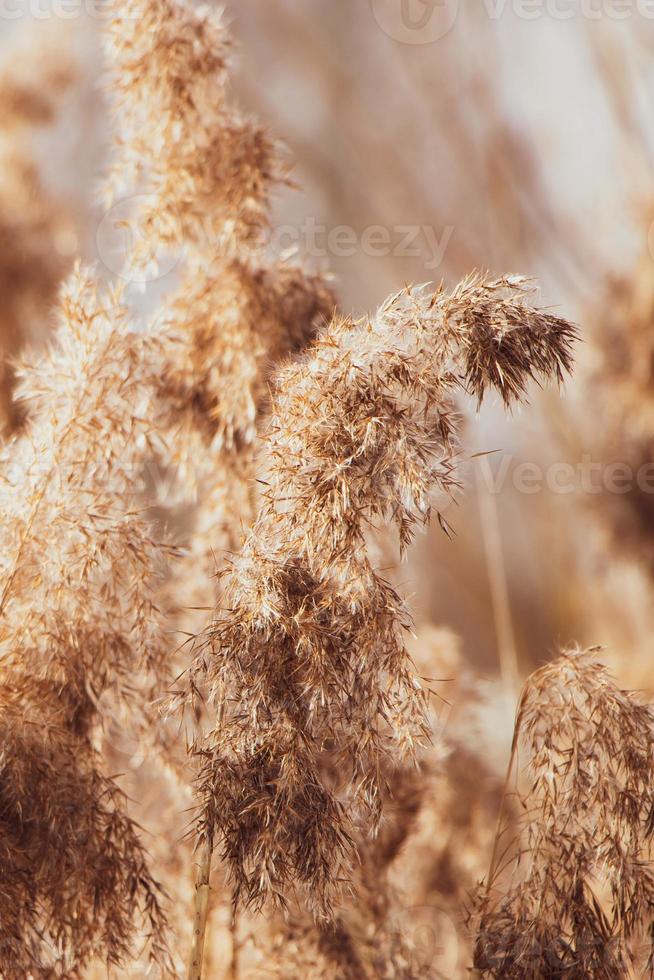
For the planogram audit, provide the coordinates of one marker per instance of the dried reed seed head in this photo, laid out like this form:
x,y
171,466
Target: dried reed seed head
x,y
75,875
209,169
231,327
172,57
77,583
230,324
307,666
208,177
343,438
73,480
373,935
577,899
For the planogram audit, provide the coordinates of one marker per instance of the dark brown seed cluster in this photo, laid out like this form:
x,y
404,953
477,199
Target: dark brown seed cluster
x,y
306,661
572,895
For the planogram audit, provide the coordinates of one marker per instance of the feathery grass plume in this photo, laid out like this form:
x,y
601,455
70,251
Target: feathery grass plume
x,y
72,481
370,936
207,174
576,898
209,168
240,321
407,887
75,878
79,626
306,662
35,233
